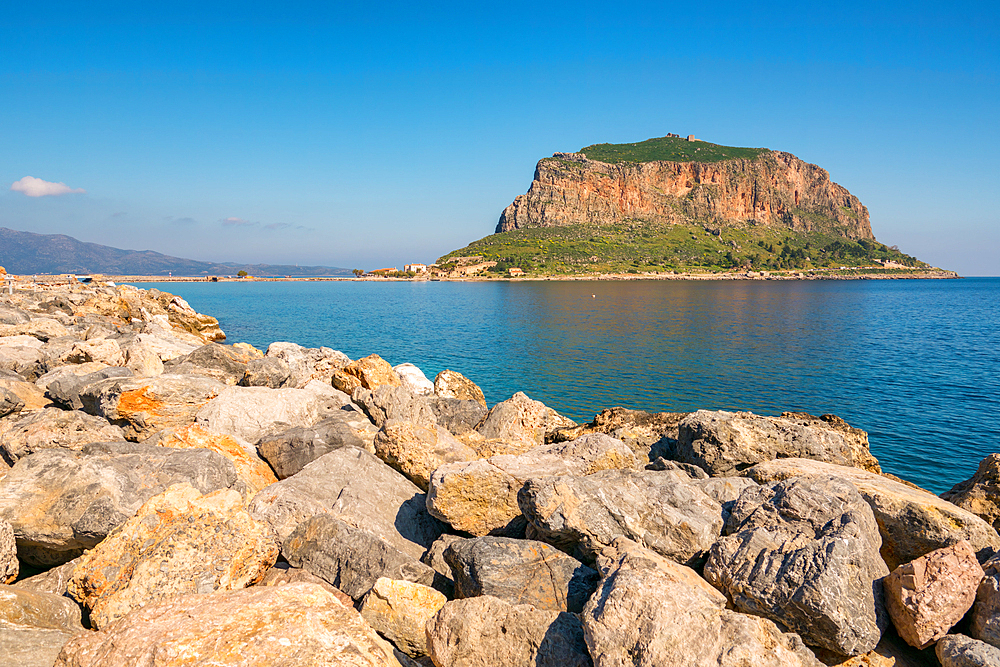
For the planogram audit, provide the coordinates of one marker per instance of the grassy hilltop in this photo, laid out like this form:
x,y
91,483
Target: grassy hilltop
x,y
670,149
639,247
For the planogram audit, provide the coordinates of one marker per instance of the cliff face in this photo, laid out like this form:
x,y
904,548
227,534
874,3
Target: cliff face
x,y
775,189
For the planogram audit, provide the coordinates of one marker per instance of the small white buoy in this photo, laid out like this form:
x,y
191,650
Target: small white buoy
x,y
593,296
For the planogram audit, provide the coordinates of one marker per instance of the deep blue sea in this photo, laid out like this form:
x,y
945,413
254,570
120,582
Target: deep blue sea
x,y
916,363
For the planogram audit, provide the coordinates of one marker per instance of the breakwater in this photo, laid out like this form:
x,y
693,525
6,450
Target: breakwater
x,y
165,494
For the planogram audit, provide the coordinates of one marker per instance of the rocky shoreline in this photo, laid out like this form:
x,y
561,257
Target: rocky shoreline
x,y
167,499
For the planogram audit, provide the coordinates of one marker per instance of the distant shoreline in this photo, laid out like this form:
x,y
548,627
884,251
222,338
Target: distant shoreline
x,y
841,274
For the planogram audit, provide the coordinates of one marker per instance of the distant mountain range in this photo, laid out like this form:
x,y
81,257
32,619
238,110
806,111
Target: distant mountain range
x,y
24,253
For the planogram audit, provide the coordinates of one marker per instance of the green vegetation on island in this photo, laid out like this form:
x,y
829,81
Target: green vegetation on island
x,y
639,247
672,149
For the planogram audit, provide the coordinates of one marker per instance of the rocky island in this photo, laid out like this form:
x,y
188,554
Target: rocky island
x,y
679,206
168,499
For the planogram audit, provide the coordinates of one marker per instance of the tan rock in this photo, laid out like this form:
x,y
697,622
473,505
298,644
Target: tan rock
x,y
890,652
178,542
31,647
31,395
249,350
451,384
55,580
296,625
912,522
480,497
981,493
282,574
416,450
254,472
985,621
399,611
370,372
33,609
9,565
142,360
521,418
102,350
42,328
929,595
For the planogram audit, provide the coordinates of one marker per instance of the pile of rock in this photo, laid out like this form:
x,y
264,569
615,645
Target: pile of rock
x,y
167,499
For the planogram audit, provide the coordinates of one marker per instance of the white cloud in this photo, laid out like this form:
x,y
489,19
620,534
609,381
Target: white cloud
x,y
237,222
36,187
277,225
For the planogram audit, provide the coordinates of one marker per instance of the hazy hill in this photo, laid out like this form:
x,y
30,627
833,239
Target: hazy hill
x,y
28,253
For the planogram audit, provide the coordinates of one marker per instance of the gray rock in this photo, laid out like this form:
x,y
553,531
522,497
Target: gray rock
x,y
520,572
726,443
9,402
444,580
582,515
805,553
651,435
13,315
289,451
306,364
53,428
985,615
457,415
358,488
60,502
270,372
250,413
219,362
912,522
349,558
73,370
480,497
962,651
65,391
652,612
23,359
387,403
488,632
31,647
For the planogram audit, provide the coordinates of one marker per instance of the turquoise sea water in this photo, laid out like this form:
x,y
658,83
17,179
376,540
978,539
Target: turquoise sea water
x,y
916,363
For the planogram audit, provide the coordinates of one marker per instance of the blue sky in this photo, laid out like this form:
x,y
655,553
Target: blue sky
x,y
367,136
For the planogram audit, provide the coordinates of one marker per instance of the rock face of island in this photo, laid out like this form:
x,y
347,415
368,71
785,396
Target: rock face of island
x,y
660,184
167,499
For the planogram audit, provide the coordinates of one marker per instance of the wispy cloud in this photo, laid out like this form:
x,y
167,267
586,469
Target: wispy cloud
x,y
277,225
36,187
237,222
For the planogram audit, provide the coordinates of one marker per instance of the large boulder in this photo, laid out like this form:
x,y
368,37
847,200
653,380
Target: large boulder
x,y
142,360
31,647
912,522
726,443
249,413
650,612
926,597
962,651
296,624
650,434
457,415
370,372
253,472
660,510
143,406
21,355
488,632
179,541
44,381
520,572
102,350
985,617
521,418
60,502
53,428
305,363
42,328
35,609
414,380
224,363
480,497
350,558
980,494
804,553
452,384
399,611
389,403
358,488
267,372
417,451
